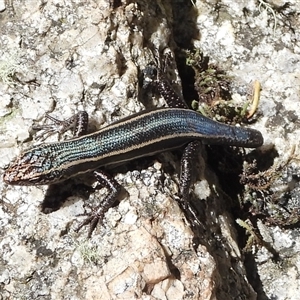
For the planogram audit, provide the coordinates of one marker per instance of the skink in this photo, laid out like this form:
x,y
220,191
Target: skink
x,y
143,134
139,135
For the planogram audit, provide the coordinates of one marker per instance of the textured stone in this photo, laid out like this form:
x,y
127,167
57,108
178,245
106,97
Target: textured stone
x,y
69,56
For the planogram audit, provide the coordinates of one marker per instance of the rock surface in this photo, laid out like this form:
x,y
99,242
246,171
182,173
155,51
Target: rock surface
x,y
62,57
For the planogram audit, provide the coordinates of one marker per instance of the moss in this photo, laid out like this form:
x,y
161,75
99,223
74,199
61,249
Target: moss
x,y
89,253
9,64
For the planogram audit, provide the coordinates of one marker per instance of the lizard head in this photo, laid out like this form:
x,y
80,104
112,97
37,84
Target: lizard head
x,y
35,166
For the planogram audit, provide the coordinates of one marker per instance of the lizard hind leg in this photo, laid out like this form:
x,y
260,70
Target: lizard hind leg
x,y
187,174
